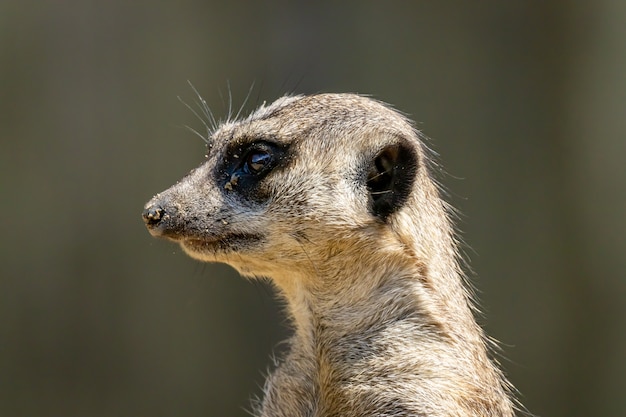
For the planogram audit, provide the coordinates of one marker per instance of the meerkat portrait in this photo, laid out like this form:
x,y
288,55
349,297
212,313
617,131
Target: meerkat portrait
x,y
331,198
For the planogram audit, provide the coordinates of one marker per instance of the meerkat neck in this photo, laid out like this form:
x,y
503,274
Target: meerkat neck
x,y
343,297
392,330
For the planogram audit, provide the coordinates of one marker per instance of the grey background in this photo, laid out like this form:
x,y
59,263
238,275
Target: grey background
x,y
524,101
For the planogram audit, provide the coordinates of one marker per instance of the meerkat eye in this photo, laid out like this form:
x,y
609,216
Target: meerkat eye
x,y
256,161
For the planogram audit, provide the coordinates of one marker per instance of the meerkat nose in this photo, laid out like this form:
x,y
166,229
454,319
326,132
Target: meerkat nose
x,y
162,218
156,219
152,215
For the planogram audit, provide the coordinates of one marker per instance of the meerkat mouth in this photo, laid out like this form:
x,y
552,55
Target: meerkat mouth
x,y
231,242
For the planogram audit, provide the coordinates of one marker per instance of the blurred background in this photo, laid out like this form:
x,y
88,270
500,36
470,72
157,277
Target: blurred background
x,y
524,101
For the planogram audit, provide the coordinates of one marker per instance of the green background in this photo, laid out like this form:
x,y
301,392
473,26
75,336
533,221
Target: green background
x,y
525,102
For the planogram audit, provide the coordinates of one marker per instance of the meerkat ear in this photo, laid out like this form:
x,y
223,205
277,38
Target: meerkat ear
x,y
390,178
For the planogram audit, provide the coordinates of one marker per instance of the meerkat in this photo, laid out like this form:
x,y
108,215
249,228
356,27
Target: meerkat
x,y
330,196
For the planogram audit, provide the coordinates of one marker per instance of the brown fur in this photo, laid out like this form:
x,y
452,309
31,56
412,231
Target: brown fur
x,y
383,321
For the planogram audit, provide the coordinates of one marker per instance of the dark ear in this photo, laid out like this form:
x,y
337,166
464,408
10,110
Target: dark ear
x,y
390,178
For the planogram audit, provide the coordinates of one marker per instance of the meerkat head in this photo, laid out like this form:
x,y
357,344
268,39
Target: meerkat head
x,y
330,197
297,184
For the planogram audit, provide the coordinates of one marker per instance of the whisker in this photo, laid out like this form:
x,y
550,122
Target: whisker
x,y
245,101
206,138
195,113
194,131
258,96
219,91
230,101
206,110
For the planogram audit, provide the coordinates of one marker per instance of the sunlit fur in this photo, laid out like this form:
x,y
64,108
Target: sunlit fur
x,y
383,321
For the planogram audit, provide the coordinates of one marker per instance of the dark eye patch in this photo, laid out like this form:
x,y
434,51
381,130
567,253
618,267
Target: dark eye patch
x,y
245,165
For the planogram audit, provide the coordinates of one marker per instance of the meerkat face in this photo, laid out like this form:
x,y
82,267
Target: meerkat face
x,y
294,183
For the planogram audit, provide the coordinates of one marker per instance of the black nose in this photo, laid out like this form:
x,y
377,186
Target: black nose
x,y
153,215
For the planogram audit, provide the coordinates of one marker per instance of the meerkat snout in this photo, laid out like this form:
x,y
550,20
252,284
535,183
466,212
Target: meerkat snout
x,y
161,217
152,215
330,197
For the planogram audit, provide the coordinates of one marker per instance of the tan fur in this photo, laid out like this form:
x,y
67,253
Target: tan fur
x,y
383,322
